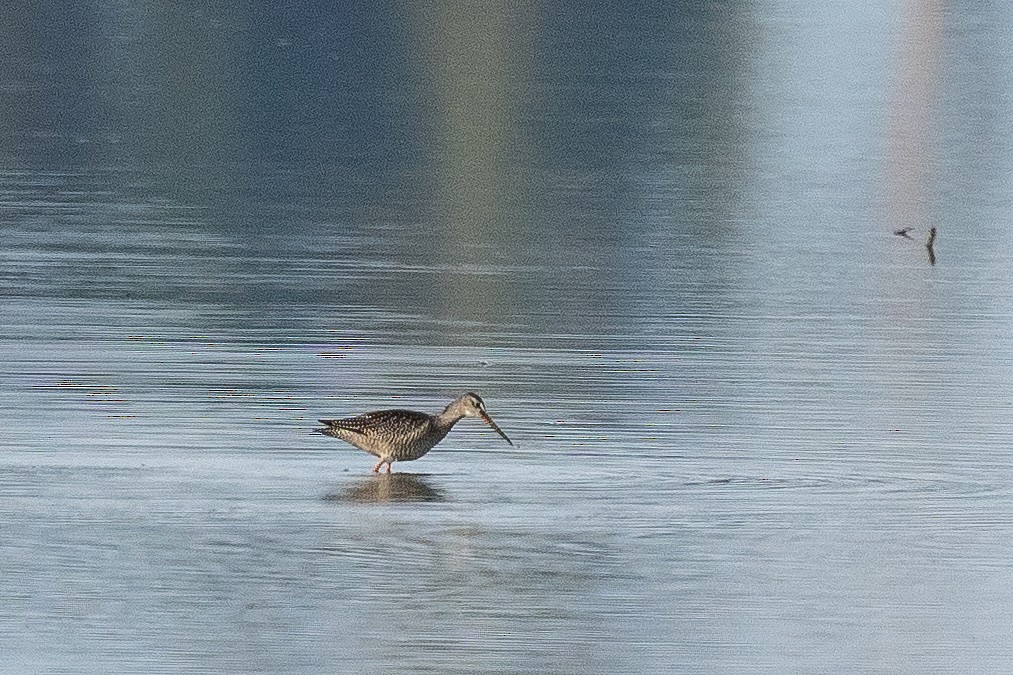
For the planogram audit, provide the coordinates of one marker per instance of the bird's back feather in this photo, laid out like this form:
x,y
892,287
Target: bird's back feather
x,y
403,433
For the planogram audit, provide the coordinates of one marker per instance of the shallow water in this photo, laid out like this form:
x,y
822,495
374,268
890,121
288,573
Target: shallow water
x,y
755,431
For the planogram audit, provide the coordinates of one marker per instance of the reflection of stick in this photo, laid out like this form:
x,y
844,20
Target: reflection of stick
x,y
930,244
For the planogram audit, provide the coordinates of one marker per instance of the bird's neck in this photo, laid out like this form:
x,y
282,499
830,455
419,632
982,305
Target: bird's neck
x,y
448,418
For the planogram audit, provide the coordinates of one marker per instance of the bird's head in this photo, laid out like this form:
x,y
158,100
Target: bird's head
x,y
472,405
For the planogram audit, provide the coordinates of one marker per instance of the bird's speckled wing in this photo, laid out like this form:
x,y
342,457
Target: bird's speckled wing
x,y
378,432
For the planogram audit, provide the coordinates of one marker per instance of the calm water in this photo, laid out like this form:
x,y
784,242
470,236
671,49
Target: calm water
x,y
756,431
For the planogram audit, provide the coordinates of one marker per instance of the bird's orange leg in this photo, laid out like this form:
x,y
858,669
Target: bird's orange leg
x,y
388,466
376,469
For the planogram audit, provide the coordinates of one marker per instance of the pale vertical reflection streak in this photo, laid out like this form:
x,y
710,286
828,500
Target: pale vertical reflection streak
x,y
475,56
911,134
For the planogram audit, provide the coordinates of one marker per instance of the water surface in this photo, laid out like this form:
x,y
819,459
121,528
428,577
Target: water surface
x,y
755,430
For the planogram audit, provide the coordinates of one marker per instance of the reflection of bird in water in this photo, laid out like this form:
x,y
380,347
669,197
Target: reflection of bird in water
x,y
404,435
395,487
903,232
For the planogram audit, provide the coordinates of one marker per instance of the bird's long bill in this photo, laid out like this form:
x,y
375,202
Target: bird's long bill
x,y
488,420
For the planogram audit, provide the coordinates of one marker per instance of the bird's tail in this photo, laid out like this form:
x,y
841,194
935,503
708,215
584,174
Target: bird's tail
x,y
327,429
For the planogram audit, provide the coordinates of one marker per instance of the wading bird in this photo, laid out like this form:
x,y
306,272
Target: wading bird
x,y
404,435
